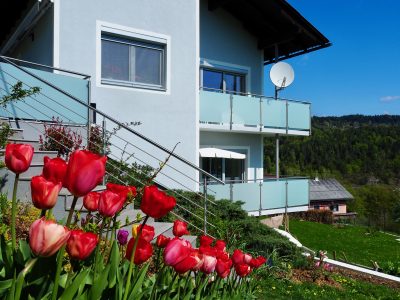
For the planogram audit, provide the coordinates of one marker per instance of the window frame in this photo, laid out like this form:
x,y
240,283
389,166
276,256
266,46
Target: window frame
x,y
242,75
133,43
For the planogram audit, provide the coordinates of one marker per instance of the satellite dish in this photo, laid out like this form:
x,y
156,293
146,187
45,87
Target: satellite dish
x,y
281,74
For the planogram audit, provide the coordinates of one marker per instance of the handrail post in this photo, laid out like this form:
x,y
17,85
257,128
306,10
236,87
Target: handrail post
x,y
231,114
260,208
261,118
89,121
103,140
205,204
286,208
287,117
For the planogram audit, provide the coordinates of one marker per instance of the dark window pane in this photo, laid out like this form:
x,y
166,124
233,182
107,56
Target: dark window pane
x,y
212,80
114,60
147,66
234,169
239,84
213,166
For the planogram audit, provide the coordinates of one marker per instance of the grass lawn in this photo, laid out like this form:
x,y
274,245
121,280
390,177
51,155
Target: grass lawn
x,y
356,242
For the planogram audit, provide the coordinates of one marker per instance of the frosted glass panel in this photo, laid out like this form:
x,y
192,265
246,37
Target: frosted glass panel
x,y
214,107
274,113
299,115
246,110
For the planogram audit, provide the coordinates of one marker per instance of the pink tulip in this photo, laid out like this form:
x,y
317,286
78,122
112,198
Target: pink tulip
x,y
47,237
176,251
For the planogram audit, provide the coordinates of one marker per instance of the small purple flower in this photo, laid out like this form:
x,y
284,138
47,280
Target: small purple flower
x,y
122,236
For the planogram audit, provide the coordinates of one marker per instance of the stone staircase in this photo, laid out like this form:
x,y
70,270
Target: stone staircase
x,y
63,205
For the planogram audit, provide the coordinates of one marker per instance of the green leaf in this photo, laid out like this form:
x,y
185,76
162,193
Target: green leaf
x,y
24,249
71,290
99,284
5,285
139,281
114,263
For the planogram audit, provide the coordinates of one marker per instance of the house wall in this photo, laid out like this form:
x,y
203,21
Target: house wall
x,y
225,42
250,142
342,208
37,46
167,117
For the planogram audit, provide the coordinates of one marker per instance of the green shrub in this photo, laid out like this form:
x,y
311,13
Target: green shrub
x,y
315,215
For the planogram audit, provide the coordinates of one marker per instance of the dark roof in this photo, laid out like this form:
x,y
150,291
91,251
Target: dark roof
x,y
280,29
328,190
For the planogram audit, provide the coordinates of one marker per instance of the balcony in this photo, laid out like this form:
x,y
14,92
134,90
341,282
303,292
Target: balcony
x,y
266,197
255,114
48,102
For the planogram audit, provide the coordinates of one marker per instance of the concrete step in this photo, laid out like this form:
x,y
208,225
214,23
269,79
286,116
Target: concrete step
x,y
17,133
34,143
38,155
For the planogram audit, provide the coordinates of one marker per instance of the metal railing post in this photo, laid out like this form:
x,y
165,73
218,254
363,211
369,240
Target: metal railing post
x,y
277,157
261,119
205,204
231,104
231,191
286,207
89,121
103,140
287,117
260,208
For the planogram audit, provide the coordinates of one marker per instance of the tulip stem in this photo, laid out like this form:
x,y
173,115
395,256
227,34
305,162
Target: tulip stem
x,y
60,255
71,211
43,213
132,259
13,214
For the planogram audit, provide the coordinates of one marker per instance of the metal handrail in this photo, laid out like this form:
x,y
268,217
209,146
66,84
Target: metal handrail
x,y
150,141
229,92
85,76
281,178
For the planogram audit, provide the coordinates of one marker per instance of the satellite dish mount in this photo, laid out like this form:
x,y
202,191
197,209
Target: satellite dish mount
x,y
282,75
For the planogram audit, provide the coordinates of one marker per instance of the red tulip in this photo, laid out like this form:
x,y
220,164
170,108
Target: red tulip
x,y
156,203
238,257
176,251
81,244
223,267
209,259
220,245
110,203
147,232
143,252
18,157
162,241
247,258
257,262
85,170
192,262
205,240
46,237
180,228
125,190
91,201
44,193
242,270
54,169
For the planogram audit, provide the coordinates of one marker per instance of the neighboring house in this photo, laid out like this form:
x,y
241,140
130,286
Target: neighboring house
x,y
190,71
329,194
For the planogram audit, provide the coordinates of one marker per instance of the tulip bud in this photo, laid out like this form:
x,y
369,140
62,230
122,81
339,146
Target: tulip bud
x,y
180,228
44,193
81,244
143,252
205,240
121,189
18,157
176,251
147,232
85,170
110,203
242,270
122,237
156,203
46,237
91,201
162,241
54,169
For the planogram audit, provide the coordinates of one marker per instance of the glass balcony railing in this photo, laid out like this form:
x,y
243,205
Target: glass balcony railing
x,y
267,195
253,113
45,104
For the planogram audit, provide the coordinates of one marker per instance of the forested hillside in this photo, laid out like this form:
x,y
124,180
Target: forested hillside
x,y
362,152
357,148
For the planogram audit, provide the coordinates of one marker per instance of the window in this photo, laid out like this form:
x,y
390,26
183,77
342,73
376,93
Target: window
x,y
223,81
334,207
131,62
316,206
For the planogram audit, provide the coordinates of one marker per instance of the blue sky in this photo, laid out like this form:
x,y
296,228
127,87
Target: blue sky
x,y
360,72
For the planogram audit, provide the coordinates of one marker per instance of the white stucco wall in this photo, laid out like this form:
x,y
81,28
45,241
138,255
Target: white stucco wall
x,y
224,41
167,117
